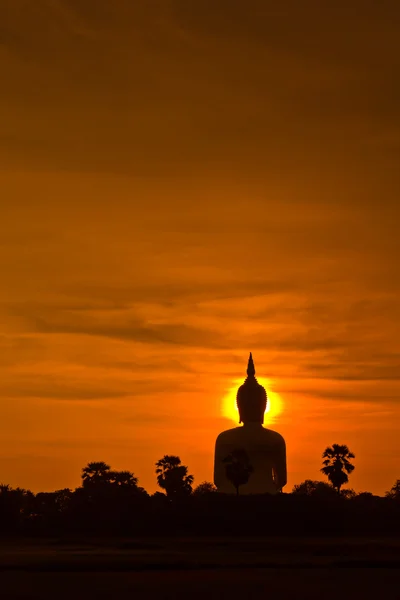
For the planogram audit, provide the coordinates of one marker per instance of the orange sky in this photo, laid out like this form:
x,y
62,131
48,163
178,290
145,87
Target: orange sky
x,y
181,183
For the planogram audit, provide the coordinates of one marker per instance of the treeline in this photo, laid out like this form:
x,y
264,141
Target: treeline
x,y
112,503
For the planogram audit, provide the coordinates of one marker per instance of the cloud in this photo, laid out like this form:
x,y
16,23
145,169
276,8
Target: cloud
x,y
344,395
327,340
351,371
252,78
175,334
53,388
21,349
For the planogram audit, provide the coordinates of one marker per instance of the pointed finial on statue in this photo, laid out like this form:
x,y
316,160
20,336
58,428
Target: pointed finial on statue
x,y
250,367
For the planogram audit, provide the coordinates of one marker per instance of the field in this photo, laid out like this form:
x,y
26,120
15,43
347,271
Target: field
x,y
198,568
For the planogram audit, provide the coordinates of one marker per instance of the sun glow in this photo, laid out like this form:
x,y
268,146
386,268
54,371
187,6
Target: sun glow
x,y
274,405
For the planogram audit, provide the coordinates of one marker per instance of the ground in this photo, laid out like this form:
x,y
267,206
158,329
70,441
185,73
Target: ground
x,y
198,568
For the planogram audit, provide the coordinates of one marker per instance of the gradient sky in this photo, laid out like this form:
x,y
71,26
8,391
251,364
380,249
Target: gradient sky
x,y
182,182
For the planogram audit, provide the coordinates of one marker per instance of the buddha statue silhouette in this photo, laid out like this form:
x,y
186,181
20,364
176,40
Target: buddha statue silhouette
x,y
265,449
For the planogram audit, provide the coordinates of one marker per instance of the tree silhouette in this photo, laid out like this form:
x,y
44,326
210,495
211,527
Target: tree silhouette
x,y
394,492
63,499
16,504
96,473
312,488
337,465
204,488
111,503
348,494
173,477
124,479
365,496
238,468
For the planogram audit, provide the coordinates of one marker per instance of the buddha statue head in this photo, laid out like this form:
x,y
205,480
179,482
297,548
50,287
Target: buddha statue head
x,y
251,398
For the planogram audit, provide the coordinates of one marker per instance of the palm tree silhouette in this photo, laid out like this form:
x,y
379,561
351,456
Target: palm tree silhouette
x,y
173,477
95,473
124,479
337,466
238,468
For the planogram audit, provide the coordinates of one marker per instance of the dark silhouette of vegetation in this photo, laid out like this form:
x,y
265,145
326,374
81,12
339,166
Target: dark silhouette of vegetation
x,y
238,468
173,477
348,494
394,492
123,479
111,503
337,465
96,473
311,488
204,488
15,506
365,496
320,489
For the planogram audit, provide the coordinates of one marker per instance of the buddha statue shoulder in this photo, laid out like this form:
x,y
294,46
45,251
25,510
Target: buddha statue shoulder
x,y
264,449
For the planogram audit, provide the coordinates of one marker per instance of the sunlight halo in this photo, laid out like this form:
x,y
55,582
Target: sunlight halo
x,y
274,405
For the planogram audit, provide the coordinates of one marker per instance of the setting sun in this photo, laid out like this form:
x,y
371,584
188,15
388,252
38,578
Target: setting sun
x,y
274,405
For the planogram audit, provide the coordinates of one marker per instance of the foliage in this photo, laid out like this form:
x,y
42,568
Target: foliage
x,y
15,505
337,465
394,492
348,494
63,499
112,503
313,488
204,488
96,473
173,477
365,498
124,479
238,468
